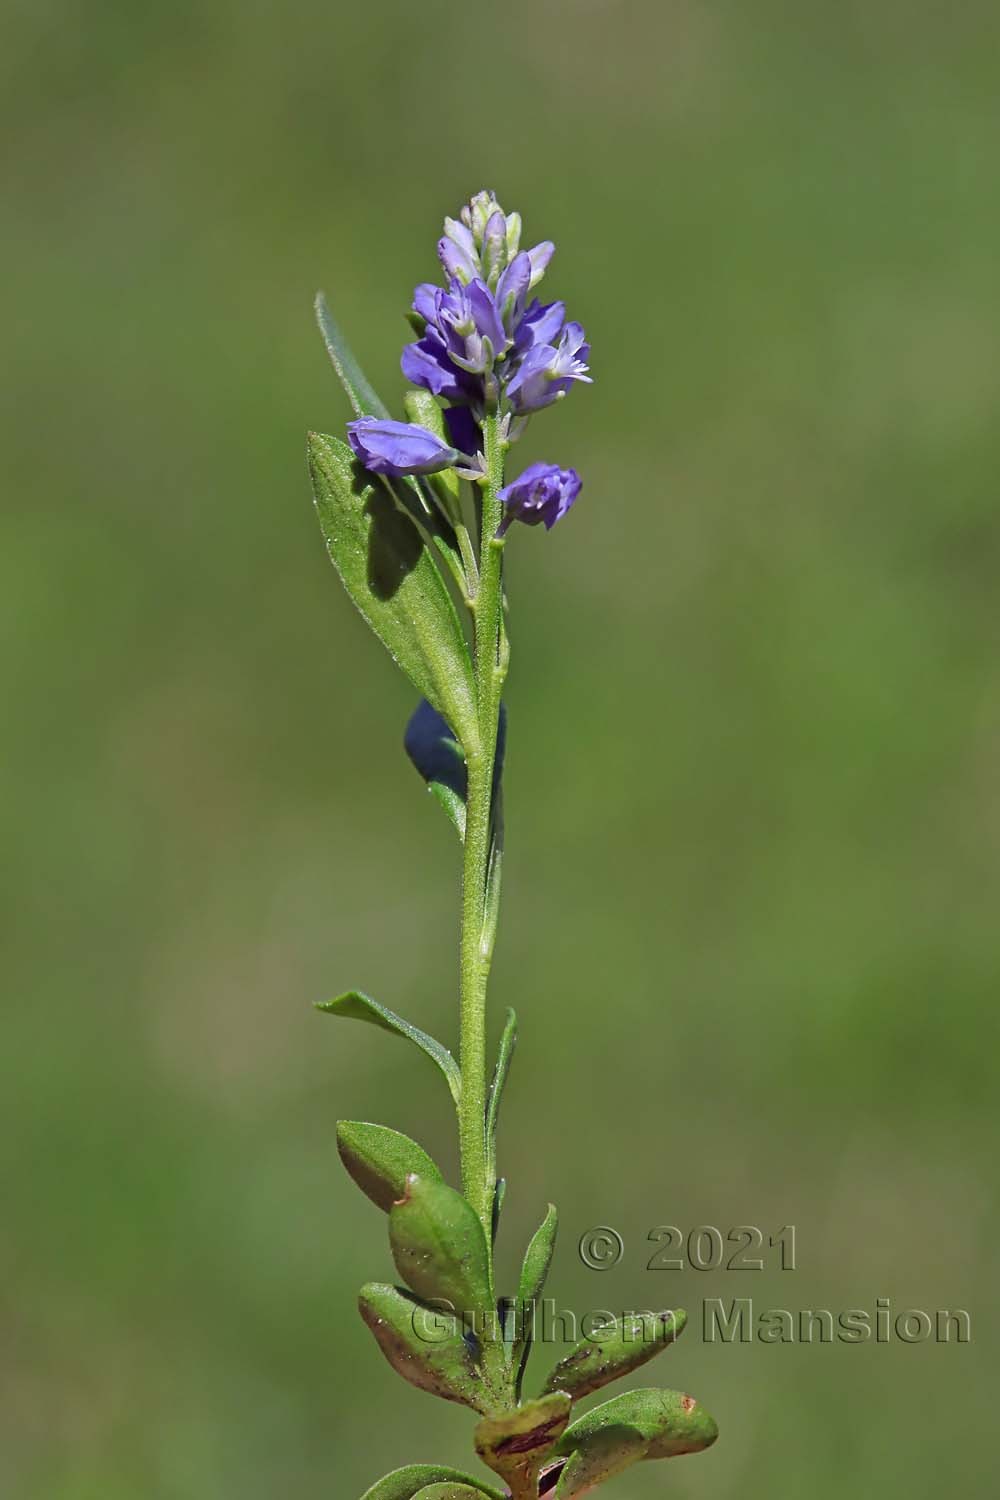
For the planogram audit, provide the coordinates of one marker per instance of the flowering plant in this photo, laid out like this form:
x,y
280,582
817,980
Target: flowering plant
x,y
416,517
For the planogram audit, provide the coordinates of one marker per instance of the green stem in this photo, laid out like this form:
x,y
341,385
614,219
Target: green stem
x,y
477,923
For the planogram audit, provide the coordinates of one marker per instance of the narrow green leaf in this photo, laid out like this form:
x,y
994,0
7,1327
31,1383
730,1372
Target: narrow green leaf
x,y
393,580
494,875
452,804
406,1484
538,1257
358,1007
515,1444
380,1160
439,1247
427,1346
534,1270
499,1194
508,1041
637,1425
360,394
615,1350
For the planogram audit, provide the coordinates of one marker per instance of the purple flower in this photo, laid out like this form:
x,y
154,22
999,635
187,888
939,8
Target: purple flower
x,y
544,492
423,301
547,372
512,293
428,363
540,325
463,333
489,338
386,447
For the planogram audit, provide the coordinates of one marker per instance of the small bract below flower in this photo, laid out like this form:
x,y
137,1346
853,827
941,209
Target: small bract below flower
x,y
386,447
543,493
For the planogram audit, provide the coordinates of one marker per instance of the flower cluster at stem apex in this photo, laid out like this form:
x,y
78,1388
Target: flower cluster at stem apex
x,y
484,350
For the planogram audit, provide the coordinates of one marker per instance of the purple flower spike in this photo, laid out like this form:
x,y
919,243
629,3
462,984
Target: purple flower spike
x,y
482,344
543,493
386,447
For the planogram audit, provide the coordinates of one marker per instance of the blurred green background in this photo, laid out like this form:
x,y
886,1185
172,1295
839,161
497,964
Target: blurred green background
x,y
751,907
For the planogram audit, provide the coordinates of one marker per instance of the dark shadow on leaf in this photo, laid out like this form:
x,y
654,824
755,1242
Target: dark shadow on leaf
x,y
408,493
394,543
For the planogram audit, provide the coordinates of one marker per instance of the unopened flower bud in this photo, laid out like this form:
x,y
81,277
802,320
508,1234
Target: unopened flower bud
x,y
542,494
386,447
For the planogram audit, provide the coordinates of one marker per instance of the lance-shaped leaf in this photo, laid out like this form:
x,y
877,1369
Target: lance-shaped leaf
x,y
619,1347
634,1426
439,1246
393,579
360,394
499,1194
508,1041
538,1257
406,1484
534,1270
427,1346
515,1444
380,1160
358,1007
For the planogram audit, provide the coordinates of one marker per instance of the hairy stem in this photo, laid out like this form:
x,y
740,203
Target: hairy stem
x,y
477,922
